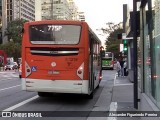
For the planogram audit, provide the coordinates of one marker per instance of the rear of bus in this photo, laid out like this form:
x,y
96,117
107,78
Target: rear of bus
x,y
55,57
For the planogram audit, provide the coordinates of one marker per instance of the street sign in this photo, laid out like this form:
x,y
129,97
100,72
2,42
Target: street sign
x,y
121,47
126,38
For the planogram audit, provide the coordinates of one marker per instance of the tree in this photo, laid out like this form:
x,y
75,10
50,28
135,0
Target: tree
x,y
12,49
14,30
112,43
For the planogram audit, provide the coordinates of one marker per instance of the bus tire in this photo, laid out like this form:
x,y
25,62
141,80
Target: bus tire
x,y
98,85
19,76
42,94
90,96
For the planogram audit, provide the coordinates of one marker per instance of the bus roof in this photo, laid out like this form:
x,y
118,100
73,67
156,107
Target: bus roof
x,y
56,21
94,35
64,22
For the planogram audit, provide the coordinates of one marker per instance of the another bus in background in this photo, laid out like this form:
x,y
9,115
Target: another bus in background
x,y
108,60
60,56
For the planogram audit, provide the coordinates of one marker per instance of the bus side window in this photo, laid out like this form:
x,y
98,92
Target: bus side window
x,y
91,43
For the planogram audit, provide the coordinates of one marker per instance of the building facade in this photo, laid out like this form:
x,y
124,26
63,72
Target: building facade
x,y
16,9
24,9
20,9
148,57
81,16
55,9
74,9
150,52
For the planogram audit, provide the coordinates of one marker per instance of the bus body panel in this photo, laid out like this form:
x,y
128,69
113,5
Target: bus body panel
x,y
53,67
56,86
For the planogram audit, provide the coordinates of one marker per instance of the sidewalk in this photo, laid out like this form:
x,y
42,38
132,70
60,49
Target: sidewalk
x,y
116,96
122,97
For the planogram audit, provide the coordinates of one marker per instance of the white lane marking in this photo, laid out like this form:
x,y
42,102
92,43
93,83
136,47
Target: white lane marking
x,y
9,87
113,107
124,84
21,103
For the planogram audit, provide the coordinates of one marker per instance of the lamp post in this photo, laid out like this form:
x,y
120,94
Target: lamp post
x,y
52,16
4,20
135,53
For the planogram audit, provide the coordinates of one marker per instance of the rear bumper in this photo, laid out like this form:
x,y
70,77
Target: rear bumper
x,y
109,67
56,86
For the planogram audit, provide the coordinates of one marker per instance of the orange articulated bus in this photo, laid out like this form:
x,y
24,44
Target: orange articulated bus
x,y
60,56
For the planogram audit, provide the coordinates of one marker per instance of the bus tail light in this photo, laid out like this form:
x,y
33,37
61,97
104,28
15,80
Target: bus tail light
x,y
27,69
80,71
100,77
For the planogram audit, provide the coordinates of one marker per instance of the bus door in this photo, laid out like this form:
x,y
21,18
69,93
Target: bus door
x,y
91,73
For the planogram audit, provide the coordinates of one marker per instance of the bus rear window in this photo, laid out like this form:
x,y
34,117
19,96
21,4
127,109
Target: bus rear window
x,y
108,55
54,34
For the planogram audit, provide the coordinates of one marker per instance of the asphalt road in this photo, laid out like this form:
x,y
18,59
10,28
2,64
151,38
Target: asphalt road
x,y
12,98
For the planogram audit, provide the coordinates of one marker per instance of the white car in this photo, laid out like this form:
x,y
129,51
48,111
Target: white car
x,y
11,66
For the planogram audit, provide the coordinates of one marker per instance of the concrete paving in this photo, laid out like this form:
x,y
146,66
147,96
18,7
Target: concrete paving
x,y
123,97
116,97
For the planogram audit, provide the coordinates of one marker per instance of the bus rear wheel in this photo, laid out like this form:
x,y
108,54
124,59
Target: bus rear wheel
x,y
44,94
90,96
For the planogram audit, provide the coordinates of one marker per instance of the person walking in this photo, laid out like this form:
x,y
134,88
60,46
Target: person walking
x,y
125,68
118,68
122,67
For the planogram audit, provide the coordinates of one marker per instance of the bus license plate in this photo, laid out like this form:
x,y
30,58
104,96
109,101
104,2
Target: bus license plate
x,y
53,72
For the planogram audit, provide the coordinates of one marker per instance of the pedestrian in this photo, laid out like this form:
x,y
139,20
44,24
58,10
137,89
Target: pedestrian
x,y
122,67
118,68
125,68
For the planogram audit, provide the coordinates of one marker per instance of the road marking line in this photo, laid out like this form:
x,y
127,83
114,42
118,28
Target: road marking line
x,y
124,84
9,87
113,107
21,103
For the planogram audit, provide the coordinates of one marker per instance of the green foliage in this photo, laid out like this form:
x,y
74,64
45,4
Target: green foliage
x,y
14,29
12,49
112,43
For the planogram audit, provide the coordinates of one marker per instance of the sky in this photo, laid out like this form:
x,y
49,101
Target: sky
x,y
100,12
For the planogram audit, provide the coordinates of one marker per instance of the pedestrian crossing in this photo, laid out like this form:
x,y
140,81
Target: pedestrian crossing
x,y
6,74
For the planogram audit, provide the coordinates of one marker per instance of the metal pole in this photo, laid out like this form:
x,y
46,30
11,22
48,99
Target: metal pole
x,y
52,17
135,54
4,20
